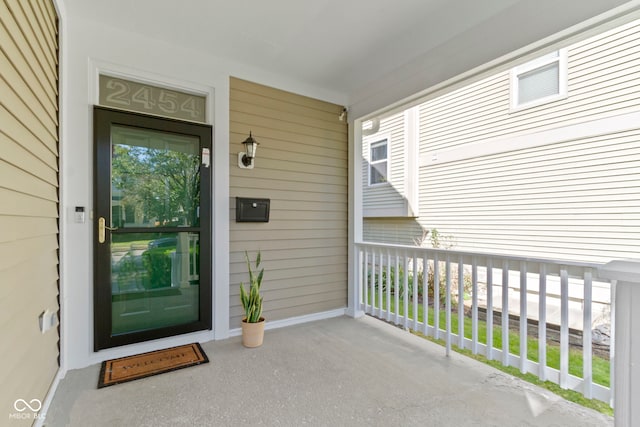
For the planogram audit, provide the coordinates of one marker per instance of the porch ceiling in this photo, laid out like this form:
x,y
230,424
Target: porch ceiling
x,y
343,47
334,372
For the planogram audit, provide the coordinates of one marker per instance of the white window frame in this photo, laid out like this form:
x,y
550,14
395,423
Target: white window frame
x,y
550,58
378,141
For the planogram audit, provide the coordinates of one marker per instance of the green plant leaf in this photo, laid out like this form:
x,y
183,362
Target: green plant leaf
x,y
252,300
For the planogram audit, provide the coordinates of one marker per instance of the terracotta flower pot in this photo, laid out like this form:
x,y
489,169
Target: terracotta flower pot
x,y
252,333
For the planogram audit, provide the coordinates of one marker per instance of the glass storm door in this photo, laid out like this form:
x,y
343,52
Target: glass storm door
x,y
152,223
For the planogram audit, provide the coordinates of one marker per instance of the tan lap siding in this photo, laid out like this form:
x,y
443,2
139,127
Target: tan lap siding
x,y
301,166
29,200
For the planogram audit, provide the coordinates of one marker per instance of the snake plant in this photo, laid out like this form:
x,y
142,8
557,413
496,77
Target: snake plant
x,y
252,301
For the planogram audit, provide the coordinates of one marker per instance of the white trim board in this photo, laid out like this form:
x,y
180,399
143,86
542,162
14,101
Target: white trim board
x,y
578,131
98,67
42,415
275,324
219,205
411,160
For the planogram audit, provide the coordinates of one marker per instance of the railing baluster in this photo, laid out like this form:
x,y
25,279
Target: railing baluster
x,y
416,285
396,288
425,294
380,282
612,344
564,327
388,293
489,315
447,313
542,323
587,373
372,291
405,292
358,302
523,317
460,302
436,296
505,312
474,305
366,279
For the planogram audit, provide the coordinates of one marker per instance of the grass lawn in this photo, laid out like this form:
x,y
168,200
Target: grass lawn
x,y
600,366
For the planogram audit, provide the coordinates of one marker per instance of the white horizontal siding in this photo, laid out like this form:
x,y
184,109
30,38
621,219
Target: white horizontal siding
x,y
466,115
577,200
398,231
602,82
387,199
552,194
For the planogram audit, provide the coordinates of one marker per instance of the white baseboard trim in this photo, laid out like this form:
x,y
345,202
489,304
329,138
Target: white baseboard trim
x,y
589,128
356,314
274,324
42,415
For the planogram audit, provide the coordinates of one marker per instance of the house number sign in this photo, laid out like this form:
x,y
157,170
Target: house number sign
x,y
145,98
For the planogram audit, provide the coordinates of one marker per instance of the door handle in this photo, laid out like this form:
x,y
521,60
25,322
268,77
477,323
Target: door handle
x,y
101,229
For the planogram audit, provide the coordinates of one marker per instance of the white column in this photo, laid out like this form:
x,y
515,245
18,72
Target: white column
x,y
625,274
355,218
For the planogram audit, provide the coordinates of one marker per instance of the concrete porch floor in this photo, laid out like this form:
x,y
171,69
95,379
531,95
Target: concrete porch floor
x,y
335,372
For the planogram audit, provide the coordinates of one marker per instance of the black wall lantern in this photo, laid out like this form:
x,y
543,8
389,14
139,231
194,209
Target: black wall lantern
x,y
245,159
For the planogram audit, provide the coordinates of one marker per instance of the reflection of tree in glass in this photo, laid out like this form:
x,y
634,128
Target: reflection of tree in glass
x,y
161,186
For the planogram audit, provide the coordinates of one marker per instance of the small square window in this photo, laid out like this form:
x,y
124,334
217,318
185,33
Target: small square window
x,y
379,151
378,162
539,81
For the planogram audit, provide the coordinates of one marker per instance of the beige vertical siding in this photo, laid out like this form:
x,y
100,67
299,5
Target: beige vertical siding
x,y
571,198
29,194
301,167
387,199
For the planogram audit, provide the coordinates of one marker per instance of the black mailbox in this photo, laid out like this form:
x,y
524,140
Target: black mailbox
x,y
252,210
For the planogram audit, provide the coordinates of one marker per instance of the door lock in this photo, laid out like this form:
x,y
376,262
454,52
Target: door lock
x,y
101,229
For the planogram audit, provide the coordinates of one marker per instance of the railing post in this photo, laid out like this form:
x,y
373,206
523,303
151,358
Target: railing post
x,y
625,275
354,308
564,327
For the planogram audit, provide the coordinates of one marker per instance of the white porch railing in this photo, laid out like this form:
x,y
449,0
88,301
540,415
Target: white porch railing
x,y
418,288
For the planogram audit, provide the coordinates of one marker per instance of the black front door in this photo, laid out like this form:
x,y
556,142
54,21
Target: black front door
x,y
152,250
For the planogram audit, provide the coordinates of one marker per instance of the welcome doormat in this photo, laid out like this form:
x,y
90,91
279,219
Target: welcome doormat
x,y
143,365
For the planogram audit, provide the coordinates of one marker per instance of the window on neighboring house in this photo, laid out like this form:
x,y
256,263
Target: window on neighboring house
x,y
539,81
378,162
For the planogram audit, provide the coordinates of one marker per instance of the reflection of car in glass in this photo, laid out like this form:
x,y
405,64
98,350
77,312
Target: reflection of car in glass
x,y
164,242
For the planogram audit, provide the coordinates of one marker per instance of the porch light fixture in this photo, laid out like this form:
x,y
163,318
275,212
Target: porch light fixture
x,y
343,114
245,158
